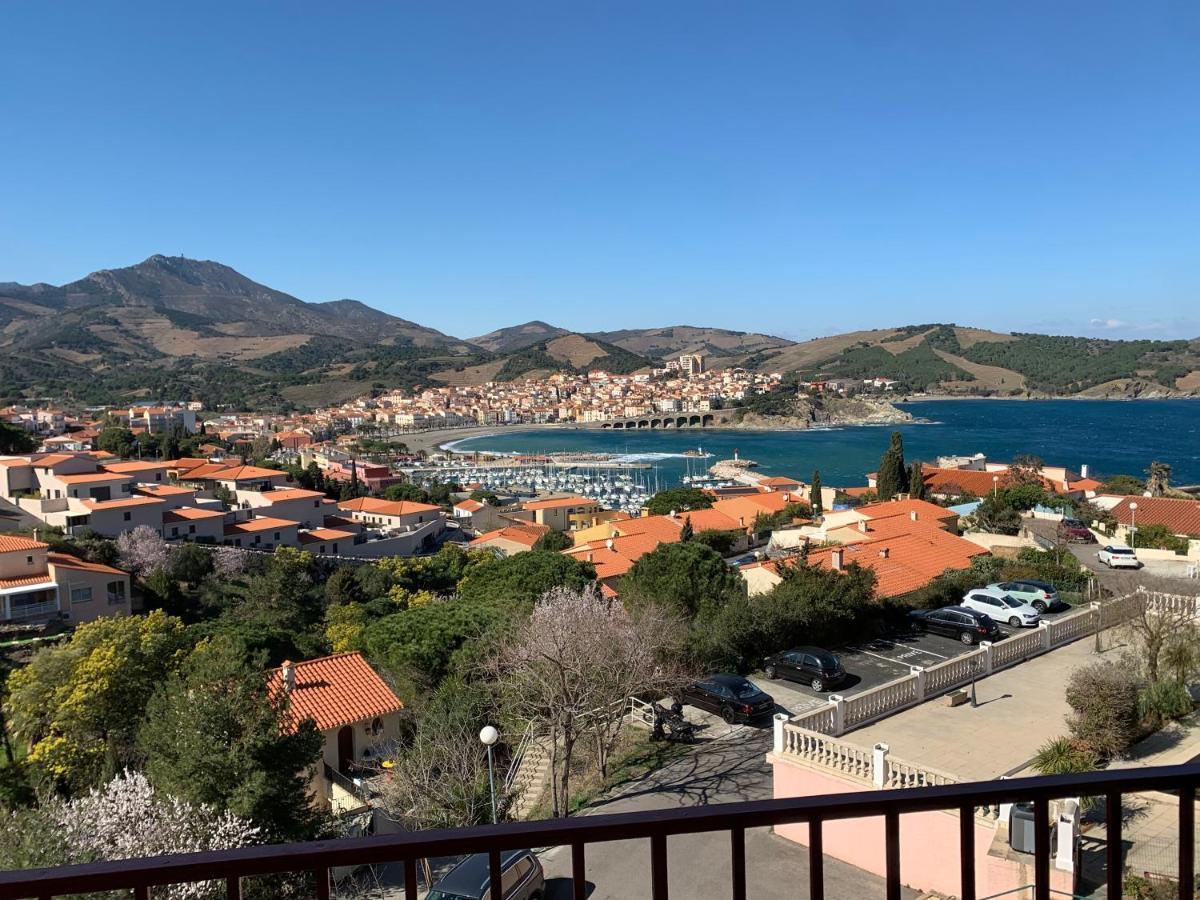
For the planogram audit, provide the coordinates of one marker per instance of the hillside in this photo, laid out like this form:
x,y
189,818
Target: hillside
x,y
178,328
951,359
171,326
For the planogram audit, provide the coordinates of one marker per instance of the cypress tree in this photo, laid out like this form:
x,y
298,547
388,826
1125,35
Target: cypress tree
x,y
916,482
686,533
814,496
892,478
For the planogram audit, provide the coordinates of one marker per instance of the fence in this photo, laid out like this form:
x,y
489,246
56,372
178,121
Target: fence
x,y
844,713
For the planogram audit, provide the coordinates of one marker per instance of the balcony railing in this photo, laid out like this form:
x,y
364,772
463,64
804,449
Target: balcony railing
x,y
319,857
43,610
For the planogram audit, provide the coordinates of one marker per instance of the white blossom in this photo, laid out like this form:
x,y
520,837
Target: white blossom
x,y
143,551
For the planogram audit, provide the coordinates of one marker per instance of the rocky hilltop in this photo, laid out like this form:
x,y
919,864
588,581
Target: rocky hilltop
x,y
819,412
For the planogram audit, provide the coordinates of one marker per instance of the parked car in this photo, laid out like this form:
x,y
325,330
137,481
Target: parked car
x,y
1041,595
819,669
967,625
1072,531
521,878
733,698
1117,556
1001,607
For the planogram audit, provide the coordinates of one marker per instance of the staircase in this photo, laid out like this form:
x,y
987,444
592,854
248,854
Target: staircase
x,y
529,776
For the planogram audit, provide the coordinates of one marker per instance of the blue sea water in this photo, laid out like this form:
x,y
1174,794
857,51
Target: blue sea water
x,y
1110,437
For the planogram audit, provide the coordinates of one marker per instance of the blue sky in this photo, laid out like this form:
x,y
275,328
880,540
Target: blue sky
x,y
796,168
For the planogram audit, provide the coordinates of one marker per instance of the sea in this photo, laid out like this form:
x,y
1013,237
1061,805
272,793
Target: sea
x,y
1109,436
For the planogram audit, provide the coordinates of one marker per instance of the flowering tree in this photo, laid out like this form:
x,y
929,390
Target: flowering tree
x,y
229,562
142,551
572,669
123,819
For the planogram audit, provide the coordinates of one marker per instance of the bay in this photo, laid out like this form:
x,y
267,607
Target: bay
x,y
1111,437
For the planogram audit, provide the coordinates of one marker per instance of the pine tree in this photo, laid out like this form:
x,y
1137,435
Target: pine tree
x,y
814,497
892,478
916,482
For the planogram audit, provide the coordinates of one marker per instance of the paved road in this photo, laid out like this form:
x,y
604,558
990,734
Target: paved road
x,y
726,769
1115,580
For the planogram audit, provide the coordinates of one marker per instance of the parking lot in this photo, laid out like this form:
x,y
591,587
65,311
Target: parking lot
x,y
868,665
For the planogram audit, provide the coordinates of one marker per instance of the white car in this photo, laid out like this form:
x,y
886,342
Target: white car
x,y
1116,556
1001,607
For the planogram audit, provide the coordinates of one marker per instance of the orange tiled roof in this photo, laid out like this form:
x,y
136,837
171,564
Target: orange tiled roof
x,y
923,508
123,468
124,501
558,503
912,560
263,523
469,505
185,513
1178,516
10,543
386,507
663,529
280,495
714,520
242,473
25,581
324,534
336,690
163,490
93,476
66,561
518,534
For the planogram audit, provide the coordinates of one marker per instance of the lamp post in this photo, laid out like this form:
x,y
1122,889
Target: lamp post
x,y
995,485
488,735
1133,524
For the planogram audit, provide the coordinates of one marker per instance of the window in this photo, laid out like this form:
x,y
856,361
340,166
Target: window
x,y
29,560
81,594
277,535
191,529
127,515
335,548
174,531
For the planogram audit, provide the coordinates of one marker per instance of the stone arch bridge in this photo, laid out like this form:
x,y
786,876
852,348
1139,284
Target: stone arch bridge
x,y
670,420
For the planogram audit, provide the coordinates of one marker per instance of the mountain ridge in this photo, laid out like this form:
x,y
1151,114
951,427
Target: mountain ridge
x,y
177,328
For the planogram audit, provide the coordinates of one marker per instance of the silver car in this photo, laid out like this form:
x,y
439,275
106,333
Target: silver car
x,y
1041,595
1001,607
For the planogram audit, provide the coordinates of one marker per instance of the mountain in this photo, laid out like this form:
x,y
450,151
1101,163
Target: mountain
x,y
171,326
176,328
517,337
952,359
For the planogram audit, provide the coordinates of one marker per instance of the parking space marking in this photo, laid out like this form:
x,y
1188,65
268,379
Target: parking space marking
x,y
909,653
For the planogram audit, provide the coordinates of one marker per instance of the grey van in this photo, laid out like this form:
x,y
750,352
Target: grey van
x,y
520,872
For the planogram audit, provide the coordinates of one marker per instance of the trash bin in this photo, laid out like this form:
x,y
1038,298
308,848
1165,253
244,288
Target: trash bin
x,y
1020,828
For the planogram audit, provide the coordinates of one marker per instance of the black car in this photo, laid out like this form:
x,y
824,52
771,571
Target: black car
x,y
968,626
733,698
819,669
520,874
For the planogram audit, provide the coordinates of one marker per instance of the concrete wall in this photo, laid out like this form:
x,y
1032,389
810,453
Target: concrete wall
x,y
928,841
99,605
13,564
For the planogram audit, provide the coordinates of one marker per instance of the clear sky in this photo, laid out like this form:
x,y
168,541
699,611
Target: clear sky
x,y
796,168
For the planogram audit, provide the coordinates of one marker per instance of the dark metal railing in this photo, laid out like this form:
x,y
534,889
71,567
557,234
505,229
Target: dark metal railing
x,y
319,857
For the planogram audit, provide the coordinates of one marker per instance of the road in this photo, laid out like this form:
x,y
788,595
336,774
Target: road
x,y
1115,580
727,768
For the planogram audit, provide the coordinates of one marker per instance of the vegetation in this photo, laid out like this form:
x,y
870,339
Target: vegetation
x,y
815,501
15,440
1104,717
554,542
892,477
1062,756
689,579
678,500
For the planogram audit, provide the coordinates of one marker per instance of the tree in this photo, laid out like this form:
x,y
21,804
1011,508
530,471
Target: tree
x,y
1104,701
1123,484
678,500
15,440
686,533
78,705
143,551
1165,635
482,495
578,661
691,580
439,778
115,440
215,734
892,478
994,516
191,563
405,491
229,562
523,578
916,481
124,819
814,495
554,541
1158,484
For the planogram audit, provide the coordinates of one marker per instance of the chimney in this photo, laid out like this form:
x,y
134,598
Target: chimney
x,y
289,675
742,521
862,526
835,559
589,556
610,543
672,514
1083,471
883,553
913,515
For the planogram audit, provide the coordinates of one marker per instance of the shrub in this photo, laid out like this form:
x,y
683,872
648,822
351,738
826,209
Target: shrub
x,y
1164,700
1104,701
1062,756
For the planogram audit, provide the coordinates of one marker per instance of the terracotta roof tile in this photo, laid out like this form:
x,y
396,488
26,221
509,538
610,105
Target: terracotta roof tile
x,y
336,690
1179,516
10,543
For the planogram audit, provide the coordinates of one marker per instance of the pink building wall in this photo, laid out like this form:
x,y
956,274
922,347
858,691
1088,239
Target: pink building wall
x,y
928,841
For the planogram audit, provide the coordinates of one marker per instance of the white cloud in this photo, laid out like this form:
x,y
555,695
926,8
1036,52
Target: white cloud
x,y
1110,324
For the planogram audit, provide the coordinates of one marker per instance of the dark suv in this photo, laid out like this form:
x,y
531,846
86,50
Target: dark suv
x,y
968,626
819,669
520,875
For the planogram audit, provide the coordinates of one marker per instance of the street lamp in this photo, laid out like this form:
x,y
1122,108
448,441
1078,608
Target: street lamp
x,y
1133,524
488,735
995,485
